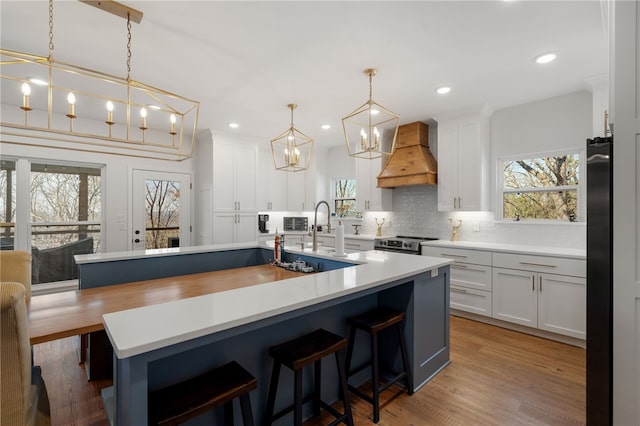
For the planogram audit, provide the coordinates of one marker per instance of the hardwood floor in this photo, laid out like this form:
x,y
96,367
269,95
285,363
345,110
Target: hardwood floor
x,y
496,377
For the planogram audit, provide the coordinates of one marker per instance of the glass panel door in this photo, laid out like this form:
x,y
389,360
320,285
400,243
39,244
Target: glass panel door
x,y
161,210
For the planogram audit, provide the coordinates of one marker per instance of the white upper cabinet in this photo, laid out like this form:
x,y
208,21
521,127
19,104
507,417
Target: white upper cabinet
x,y
272,184
368,195
463,163
234,176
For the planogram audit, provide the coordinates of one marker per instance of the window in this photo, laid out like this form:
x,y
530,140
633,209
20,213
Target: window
x,y
544,187
344,196
7,203
62,211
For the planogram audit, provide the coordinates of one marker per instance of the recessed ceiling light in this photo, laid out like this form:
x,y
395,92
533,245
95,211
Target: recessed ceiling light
x,y
545,58
154,107
325,126
233,125
38,81
443,90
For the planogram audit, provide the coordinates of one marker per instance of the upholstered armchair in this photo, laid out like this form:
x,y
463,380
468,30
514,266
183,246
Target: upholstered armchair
x,y
23,395
15,266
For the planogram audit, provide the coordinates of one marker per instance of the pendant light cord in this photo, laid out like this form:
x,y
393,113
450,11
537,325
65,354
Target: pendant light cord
x,y
128,46
50,30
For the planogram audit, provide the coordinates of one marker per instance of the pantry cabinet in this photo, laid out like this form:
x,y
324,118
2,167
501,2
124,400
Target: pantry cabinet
x,y
226,185
542,292
463,163
368,196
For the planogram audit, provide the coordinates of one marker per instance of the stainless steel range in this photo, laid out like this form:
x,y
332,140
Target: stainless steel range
x,y
400,244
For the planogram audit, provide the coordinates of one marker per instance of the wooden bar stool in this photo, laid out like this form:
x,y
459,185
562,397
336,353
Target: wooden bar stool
x,y
178,403
298,353
373,322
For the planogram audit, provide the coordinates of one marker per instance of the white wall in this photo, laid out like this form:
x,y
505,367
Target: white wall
x,y
551,124
118,171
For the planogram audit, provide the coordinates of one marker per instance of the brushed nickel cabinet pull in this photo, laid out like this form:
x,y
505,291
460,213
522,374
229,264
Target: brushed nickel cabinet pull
x,y
457,290
538,264
540,283
453,255
533,283
459,266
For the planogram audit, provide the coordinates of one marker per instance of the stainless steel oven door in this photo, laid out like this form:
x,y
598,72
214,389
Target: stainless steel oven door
x,y
396,250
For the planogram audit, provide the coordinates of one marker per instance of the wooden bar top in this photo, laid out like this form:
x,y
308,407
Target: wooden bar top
x,y
70,313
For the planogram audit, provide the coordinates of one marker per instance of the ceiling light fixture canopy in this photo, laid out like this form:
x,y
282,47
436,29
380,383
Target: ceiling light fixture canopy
x,y
370,130
292,149
74,96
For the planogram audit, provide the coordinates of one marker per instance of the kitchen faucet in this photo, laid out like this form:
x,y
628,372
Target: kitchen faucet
x,y
315,224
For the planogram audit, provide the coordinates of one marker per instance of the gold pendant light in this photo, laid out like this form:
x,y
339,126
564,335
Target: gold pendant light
x,y
292,149
64,106
370,130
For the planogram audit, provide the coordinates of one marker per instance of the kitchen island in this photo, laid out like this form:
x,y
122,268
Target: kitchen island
x,y
157,345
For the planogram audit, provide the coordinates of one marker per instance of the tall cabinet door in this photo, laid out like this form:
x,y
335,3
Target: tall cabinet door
x,y
471,167
514,296
224,177
246,166
447,165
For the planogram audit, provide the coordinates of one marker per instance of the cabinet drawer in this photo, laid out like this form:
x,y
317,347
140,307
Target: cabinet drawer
x,y
326,241
477,257
546,264
471,276
469,300
355,244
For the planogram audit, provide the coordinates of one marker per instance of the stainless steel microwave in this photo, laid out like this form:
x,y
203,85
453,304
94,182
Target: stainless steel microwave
x,y
292,223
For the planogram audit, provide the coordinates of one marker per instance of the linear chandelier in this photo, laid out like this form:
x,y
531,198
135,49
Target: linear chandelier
x,y
370,130
291,149
71,107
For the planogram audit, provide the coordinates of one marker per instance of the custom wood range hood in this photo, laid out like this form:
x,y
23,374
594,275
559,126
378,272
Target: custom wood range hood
x,y
411,163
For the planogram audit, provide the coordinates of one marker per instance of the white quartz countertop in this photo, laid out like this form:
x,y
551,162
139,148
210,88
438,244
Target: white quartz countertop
x,y
369,237
571,253
136,331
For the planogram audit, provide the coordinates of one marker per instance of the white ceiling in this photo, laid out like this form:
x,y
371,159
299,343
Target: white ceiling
x,y
245,61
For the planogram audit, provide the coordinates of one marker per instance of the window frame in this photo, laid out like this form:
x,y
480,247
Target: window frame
x,y
580,188
23,224
334,197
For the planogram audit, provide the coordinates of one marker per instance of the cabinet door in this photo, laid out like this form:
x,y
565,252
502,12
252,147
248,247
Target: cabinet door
x,y
277,190
246,166
223,177
224,227
363,183
296,191
470,166
514,296
447,165
246,228
562,304
368,195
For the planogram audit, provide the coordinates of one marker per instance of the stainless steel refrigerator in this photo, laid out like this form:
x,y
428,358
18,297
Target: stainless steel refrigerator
x,y
599,281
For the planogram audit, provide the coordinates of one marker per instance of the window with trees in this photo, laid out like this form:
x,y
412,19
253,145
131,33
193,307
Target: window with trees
x,y
543,187
62,209
344,196
7,203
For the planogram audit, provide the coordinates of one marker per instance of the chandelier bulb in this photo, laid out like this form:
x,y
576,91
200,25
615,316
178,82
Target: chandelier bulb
x,y
71,98
26,89
109,106
172,119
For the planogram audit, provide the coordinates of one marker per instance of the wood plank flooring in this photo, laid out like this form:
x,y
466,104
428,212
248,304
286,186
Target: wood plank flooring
x,y
496,377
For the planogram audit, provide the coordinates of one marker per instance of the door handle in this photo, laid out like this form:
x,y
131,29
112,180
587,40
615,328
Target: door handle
x,y
540,287
533,283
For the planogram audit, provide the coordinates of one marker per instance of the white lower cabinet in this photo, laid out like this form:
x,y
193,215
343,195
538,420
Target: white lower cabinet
x,y
235,228
358,244
549,301
470,284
